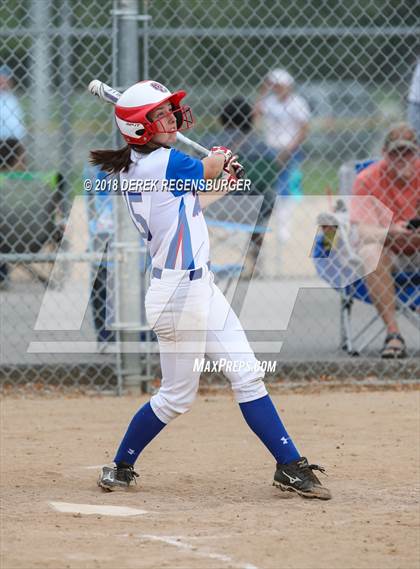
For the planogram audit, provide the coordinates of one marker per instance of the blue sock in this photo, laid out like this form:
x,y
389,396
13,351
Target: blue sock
x,y
143,428
263,419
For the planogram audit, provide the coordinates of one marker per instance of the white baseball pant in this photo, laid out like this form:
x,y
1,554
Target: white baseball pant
x,y
192,318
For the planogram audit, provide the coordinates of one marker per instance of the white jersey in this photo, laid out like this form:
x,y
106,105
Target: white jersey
x,y
282,120
171,221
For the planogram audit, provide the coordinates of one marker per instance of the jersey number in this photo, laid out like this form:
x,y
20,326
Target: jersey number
x,y
135,197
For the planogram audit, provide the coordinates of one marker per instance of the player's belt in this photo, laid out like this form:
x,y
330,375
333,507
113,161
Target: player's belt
x,y
193,275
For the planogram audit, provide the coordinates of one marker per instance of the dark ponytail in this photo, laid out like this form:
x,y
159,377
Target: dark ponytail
x,y
114,161
111,160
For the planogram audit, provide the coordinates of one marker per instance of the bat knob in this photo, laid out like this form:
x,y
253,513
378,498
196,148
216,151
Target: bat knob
x,y
94,87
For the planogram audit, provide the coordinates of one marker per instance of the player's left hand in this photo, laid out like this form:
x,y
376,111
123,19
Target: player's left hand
x,y
223,151
231,165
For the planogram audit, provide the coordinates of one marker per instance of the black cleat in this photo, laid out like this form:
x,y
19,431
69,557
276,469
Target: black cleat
x,y
117,477
298,477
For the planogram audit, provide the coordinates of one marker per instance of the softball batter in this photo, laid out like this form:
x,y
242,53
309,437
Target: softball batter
x,y
187,311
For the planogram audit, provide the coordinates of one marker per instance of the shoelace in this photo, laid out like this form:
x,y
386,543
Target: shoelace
x,y
129,474
315,467
304,465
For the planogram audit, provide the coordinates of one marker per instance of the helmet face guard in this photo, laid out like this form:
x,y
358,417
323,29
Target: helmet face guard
x,y
132,112
183,116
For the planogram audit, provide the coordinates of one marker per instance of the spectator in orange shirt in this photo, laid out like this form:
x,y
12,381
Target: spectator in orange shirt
x,y
395,181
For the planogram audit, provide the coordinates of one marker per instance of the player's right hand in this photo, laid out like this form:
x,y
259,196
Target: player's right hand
x,y
238,169
234,172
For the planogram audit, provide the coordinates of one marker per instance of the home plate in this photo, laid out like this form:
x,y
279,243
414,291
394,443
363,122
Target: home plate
x,y
90,509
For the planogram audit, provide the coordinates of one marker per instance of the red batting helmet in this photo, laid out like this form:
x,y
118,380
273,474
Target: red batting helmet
x,y
134,105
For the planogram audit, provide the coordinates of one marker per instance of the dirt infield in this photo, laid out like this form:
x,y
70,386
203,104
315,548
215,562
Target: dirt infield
x,y
206,486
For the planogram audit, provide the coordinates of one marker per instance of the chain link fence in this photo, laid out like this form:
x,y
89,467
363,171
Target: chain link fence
x,y
304,92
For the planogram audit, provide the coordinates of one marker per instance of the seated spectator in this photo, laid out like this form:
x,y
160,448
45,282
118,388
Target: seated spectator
x,y
12,130
395,181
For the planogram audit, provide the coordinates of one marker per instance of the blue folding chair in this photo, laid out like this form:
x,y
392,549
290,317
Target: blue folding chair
x,y
339,265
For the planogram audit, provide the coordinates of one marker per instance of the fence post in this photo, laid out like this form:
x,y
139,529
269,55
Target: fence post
x,y
40,76
130,279
66,132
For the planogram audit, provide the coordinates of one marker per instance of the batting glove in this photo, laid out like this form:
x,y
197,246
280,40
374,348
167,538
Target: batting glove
x,y
238,169
233,173
223,151
231,179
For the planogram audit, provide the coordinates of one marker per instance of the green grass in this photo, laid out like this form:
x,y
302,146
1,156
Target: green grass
x,y
317,176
